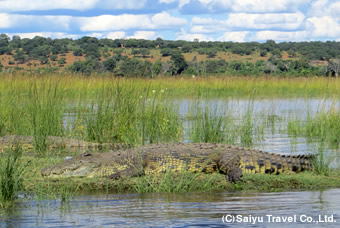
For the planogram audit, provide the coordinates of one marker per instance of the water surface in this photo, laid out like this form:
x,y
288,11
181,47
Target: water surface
x,y
181,210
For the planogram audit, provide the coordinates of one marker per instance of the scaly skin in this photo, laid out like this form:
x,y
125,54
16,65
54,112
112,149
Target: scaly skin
x,y
53,142
159,158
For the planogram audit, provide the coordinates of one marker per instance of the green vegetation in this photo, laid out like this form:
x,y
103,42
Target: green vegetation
x,y
123,114
45,110
140,111
135,58
11,176
184,182
221,125
323,126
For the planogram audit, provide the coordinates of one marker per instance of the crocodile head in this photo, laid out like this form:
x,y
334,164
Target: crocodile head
x,y
80,166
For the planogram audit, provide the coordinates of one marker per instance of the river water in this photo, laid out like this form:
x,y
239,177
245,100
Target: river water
x,y
285,209
245,209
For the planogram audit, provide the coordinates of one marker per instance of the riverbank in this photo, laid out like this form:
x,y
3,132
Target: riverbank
x,y
65,188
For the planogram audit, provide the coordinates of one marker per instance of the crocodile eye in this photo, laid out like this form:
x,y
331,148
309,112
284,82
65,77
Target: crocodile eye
x,y
87,154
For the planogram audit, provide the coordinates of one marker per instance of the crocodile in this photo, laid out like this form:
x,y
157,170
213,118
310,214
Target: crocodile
x,y
54,142
153,159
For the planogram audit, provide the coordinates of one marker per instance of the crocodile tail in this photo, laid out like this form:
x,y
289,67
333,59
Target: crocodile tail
x,y
271,163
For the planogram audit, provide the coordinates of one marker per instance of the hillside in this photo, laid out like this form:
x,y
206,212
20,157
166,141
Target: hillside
x,y
149,58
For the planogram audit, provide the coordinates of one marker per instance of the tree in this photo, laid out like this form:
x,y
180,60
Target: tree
x,y
263,52
156,68
143,52
211,53
291,53
276,52
187,48
334,67
86,67
179,62
166,52
92,51
78,52
20,57
128,67
110,64
53,57
41,51
144,69
43,60
4,44
62,61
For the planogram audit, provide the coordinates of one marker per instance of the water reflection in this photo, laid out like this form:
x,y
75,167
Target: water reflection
x,y
177,210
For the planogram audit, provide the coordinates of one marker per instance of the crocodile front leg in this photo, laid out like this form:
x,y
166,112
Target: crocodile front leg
x,y
230,165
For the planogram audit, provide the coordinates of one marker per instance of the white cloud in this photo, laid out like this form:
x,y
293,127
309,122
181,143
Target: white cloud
x,y
27,5
128,21
54,35
318,8
192,36
251,6
146,35
234,36
280,36
180,2
167,1
112,22
334,9
38,22
266,21
263,6
326,26
4,20
115,35
165,20
286,21
121,4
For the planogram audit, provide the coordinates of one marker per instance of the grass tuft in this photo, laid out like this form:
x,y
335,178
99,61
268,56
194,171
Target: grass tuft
x,y
11,176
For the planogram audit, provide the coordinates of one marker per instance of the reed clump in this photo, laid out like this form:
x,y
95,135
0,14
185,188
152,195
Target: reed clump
x,y
219,124
11,176
211,124
45,110
323,126
123,114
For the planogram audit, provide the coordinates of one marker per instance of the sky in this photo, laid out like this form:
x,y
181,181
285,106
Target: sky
x,y
206,20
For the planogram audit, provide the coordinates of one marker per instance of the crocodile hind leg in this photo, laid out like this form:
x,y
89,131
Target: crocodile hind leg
x,y
230,165
129,172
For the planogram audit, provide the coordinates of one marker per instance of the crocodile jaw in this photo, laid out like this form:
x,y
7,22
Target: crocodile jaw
x,y
87,169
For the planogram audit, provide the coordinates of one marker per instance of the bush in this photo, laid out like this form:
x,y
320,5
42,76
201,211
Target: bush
x,y
78,52
53,57
62,61
86,67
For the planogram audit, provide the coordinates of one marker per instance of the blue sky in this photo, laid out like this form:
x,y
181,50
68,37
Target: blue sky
x,y
215,20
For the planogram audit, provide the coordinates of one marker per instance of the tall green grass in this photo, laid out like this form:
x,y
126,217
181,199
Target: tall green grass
x,y
211,87
45,110
178,182
323,126
211,124
140,111
124,114
222,125
321,162
11,176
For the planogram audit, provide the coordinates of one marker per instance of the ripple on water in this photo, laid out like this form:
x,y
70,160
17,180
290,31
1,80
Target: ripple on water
x,y
190,209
